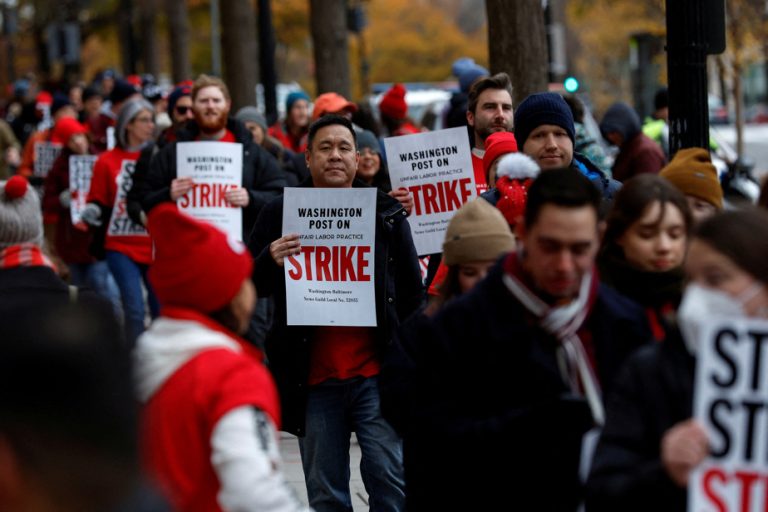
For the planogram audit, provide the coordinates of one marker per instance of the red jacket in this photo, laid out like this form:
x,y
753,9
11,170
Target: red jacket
x,y
185,397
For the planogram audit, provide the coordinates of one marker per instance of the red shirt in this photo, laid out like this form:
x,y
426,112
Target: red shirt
x,y
112,179
179,419
342,353
480,182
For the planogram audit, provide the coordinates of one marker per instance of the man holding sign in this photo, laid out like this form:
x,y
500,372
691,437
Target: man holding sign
x,y
259,177
327,375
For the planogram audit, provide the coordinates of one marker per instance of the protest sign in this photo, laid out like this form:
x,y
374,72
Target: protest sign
x,y
731,401
215,168
120,224
80,173
330,282
436,167
45,154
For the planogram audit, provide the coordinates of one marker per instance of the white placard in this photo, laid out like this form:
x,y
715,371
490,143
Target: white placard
x,y
45,154
215,168
120,224
436,167
80,173
731,400
331,281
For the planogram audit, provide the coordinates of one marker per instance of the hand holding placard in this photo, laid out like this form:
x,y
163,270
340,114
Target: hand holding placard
x,y
683,447
180,186
283,247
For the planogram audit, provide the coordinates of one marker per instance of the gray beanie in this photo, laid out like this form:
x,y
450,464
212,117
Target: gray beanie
x,y
127,112
367,139
21,218
251,115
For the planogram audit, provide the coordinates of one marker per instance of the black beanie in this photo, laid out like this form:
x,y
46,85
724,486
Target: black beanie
x,y
542,108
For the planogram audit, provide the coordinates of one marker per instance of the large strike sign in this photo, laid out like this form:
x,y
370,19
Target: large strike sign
x,y
45,154
215,168
436,167
120,224
330,282
80,174
731,400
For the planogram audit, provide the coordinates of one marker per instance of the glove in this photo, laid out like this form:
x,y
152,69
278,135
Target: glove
x,y
65,199
91,215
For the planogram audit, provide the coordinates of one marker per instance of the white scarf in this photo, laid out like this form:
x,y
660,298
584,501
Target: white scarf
x,y
563,322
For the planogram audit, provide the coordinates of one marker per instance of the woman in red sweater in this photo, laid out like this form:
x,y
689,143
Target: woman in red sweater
x,y
127,244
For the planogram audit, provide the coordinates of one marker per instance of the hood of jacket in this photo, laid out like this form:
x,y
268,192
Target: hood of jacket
x,y
623,119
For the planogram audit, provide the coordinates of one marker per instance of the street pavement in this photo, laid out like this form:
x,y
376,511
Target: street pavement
x,y
294,474
755,143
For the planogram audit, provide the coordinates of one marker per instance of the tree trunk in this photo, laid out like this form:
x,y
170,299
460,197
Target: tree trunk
x,y
239,52
128,53
328,23
517,44
148,38
178,31
267,69
737,67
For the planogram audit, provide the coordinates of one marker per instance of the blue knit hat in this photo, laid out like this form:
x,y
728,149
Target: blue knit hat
x,y
469,75
293,98
542,108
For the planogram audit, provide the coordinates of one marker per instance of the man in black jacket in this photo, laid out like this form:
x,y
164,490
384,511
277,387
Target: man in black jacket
x,y
262,178
512,373
327,376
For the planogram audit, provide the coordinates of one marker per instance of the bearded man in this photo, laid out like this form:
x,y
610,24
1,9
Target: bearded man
x,y
262,178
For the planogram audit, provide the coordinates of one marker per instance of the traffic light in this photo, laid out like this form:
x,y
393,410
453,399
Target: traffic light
x,y
571,84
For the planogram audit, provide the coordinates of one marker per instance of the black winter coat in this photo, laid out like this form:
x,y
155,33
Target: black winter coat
x,y
262,176
653,392
398,287
477,388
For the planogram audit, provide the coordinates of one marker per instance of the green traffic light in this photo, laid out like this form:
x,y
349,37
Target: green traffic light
x,y
571,84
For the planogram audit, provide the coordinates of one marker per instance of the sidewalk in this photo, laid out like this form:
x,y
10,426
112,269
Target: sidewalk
x,y
294,474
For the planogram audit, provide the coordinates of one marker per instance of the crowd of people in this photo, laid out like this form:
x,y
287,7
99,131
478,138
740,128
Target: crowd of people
x,y
544,359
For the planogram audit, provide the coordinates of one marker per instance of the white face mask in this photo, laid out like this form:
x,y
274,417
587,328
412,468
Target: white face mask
x,y
699,304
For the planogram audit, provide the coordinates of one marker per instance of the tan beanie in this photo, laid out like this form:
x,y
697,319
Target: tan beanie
x,y
692,172
477,232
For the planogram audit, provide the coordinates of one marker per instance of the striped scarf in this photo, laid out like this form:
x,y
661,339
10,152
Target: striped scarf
x,y
24,255
564,322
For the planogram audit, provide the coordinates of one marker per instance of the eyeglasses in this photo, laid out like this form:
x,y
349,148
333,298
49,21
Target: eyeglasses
x,y
182,110
144,120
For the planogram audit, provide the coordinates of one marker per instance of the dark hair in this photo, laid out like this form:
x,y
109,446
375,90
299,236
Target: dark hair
x,y
365,119
632,200
329,120
392,123
561,187
740,235
67,407
661,99
497,81
577,107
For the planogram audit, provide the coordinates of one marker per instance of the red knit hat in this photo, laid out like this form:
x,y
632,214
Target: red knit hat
x,y
65,128
393,103
196,265
515,174
497,144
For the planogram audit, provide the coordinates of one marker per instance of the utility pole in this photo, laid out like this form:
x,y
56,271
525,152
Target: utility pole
x,y
695,28
267,60
215,39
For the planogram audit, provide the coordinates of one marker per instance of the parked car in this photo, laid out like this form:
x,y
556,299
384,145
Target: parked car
x,y
718,113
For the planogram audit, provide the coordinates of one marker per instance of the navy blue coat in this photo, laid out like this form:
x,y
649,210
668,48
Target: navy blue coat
x,y
398,288
477,388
